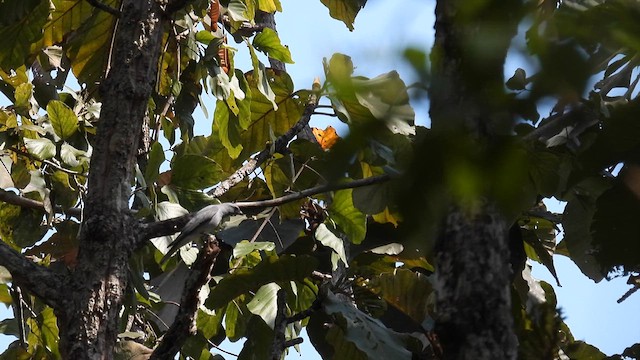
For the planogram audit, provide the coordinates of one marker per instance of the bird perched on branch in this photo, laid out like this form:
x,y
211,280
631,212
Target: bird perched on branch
x,y
206,221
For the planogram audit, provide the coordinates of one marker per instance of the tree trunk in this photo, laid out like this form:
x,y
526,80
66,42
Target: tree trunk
x,y
472,260
88,324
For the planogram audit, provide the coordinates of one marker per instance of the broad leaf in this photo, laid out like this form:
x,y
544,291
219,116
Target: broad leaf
x,y
369,335
16,38
268,42
63,120
195,172
264,303
344,10
347,216
272,269
42,148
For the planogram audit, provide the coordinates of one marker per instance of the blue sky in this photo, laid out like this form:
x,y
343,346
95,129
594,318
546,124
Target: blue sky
x,y
382,30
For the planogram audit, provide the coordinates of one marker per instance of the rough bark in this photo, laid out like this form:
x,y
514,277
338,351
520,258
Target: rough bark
x,y
472,260
88,324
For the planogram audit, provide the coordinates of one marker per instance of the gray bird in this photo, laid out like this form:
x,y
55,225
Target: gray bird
x,y
206,221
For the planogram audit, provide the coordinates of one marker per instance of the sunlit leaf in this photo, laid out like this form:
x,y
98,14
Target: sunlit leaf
x,y
268,42
330,240
348,217
42,148
369,335
344,10
63,120
264,303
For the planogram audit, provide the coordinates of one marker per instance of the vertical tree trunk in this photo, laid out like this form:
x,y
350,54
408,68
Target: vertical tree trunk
x,y
88,325
472,259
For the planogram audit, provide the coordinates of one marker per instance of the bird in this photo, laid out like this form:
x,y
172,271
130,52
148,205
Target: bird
x,y
205,221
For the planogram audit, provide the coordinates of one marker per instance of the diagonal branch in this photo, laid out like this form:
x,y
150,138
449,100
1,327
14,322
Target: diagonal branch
x,y
280,146
171,226
184,324
38,280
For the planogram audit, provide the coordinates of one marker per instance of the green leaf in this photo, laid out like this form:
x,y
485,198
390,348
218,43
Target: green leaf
x,y
237,10
272,269
268,42
576,221
408,291
259,341
269,6
42,148
369,335
329,239
261,79
347,216
344,10
20,226
72,156
156,158
23,96
63,120
264,303
16,38
227,126
67,16
264,119
245,247
89,49
235,320
195,172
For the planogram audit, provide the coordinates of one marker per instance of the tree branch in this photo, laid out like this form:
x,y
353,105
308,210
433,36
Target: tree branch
x,y
104,7
15,199
184,324
38,280
280,146
171,226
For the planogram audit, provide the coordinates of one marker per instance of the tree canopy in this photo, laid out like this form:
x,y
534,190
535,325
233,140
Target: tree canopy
x,y
395,241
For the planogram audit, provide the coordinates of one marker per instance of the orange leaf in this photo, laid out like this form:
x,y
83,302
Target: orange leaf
x,y
326,138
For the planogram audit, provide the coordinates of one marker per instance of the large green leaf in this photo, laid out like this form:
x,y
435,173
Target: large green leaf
x,y
330,240
264,303
67,16
63,120
272,269
344,10
369,335
268,42
195,172
347,216
89,50
576,221
408,291
156,158
269,6
16,38
264,119
20,226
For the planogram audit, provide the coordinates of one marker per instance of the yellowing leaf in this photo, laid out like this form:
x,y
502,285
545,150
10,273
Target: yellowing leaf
x,y
326,138
386,217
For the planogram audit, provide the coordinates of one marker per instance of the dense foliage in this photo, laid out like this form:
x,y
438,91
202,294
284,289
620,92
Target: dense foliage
x,y
347,251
